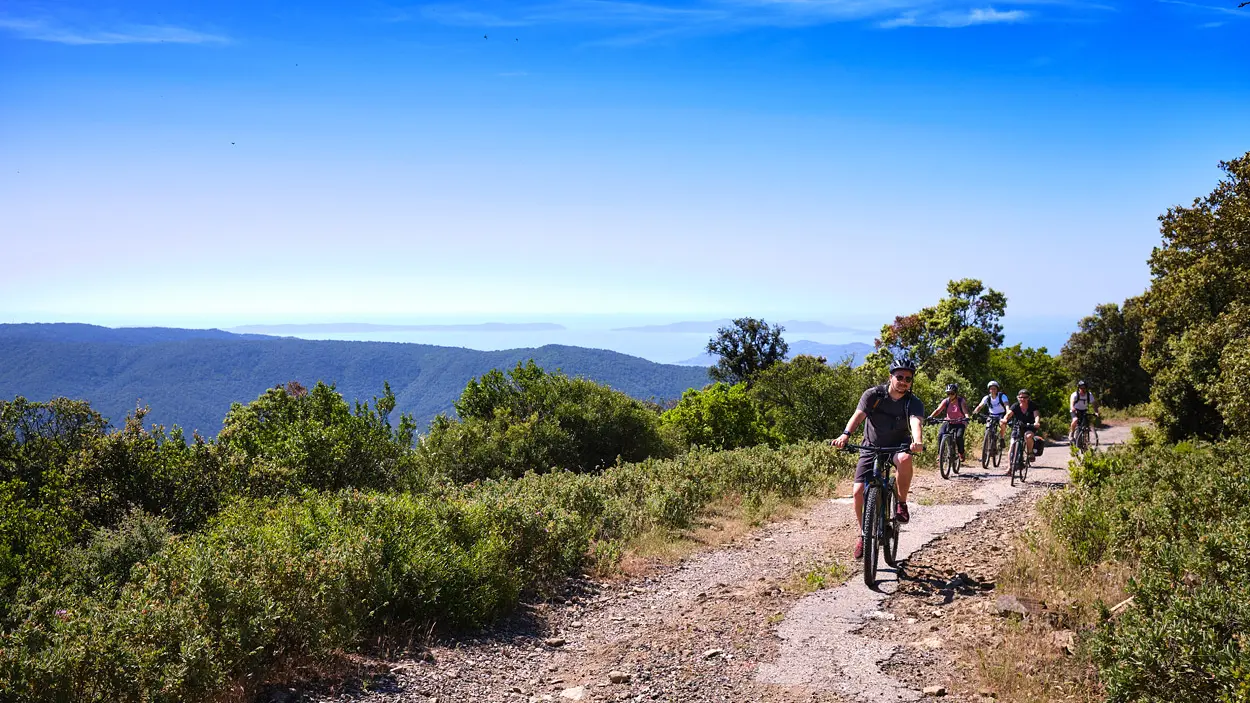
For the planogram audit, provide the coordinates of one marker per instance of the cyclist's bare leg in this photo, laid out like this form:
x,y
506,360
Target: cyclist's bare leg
x,y
1028,443
903,463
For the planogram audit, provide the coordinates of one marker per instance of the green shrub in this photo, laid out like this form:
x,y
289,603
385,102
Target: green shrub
x,y
530,420
805,399
290,439
720,416
1181,515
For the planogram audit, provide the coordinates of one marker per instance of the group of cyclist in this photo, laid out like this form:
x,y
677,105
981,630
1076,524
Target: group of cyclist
x,y
895,417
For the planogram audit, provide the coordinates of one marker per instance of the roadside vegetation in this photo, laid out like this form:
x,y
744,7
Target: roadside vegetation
x,y
1147,554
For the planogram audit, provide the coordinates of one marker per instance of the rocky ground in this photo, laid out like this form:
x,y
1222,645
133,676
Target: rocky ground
x,y
766,618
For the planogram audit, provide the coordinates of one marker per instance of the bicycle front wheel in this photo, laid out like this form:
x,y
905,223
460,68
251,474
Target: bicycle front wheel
x,y
871,534
1014,459
987,448
944,459
889,541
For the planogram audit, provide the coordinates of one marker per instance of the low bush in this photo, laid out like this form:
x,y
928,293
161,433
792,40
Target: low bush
x,y
1180,516
156,617
531,420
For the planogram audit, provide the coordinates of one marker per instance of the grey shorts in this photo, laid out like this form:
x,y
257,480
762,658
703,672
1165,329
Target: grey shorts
x,y
864,468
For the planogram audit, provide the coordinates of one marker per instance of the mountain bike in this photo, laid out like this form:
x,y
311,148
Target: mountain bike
x,y
992,444
880,527
1086,437
1017,459
948,449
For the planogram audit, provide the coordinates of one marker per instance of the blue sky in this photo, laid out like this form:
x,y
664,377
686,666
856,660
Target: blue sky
x,y
244,162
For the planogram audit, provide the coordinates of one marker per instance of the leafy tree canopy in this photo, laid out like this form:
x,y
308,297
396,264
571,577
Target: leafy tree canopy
x,y
720,416
1106,352
957,333
745,349
1196,318
806,399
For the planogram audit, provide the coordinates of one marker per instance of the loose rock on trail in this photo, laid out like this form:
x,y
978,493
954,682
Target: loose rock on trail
x,y
734,624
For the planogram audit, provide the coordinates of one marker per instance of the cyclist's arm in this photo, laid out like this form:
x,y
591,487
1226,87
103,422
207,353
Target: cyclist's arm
x,y
938,409
1037,419
1072,403
978,408
917,432
1008,416
851,426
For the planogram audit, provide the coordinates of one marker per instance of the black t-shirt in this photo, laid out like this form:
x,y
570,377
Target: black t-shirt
x,y
1028,417
887,425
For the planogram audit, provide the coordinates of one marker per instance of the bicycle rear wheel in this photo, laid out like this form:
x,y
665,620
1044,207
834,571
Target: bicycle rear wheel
x,y
998,449
1024,461
889,541
871,533
944,460
987,448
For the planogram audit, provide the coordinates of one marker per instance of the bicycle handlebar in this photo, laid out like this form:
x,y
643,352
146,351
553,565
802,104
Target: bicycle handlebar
x,y
905,448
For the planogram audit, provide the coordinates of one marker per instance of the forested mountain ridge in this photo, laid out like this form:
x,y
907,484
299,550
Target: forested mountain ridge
x,y
190,377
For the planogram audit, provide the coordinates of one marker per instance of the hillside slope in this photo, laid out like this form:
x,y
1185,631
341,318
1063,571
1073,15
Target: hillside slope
x,y
190,377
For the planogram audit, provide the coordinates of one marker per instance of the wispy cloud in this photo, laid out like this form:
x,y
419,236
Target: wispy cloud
x,y
1207,8
50,31
955,20
638,21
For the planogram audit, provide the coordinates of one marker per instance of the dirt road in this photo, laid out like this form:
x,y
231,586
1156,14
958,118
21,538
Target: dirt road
x,y
742,623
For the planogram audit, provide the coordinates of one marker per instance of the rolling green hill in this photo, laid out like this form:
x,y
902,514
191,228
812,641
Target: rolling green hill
x,y
190,377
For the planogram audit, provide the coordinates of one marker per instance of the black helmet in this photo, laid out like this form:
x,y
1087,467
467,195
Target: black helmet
x,y
903,362
1080,383
1022,392
952,388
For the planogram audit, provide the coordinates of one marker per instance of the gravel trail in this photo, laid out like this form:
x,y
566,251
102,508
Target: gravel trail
x,y
731,624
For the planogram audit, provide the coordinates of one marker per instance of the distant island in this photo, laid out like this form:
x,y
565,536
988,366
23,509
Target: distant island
x,y
352,327
710,327
833,353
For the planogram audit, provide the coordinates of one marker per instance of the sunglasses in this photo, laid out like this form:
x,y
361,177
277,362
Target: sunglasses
x,y
903,379
1022,396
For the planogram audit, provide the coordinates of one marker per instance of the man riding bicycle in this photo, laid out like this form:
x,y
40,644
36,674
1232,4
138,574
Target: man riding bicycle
x,y
1079,403
1030,418
996,403
894,416
955,409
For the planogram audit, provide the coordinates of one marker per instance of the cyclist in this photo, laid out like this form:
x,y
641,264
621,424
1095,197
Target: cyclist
x,y
1030,417
894,416
996,403
1079,403
956,409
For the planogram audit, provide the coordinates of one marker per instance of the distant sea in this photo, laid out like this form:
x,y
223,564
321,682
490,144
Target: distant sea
x,y
664,342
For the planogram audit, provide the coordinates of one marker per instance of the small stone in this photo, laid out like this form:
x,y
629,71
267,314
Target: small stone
x,y
932,642
713,653
1064,641
879,615
577,693
1009,605
554,641
934,691
618,677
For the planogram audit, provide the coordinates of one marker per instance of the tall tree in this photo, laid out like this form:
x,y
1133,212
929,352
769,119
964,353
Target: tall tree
x,y
957,333
746,348
1196,317
1106,352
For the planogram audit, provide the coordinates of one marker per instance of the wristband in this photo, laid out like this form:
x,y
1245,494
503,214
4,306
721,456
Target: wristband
x,y
846,433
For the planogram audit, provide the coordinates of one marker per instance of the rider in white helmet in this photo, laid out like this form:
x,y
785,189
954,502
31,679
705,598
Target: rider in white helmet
x,y
997,403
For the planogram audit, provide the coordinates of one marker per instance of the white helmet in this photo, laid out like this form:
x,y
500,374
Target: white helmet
x,y
991,384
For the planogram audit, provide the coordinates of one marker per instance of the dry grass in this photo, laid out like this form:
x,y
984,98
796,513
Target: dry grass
x,y
723,522
1023,662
